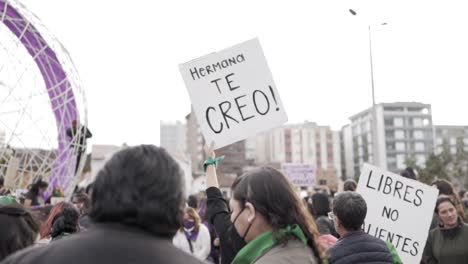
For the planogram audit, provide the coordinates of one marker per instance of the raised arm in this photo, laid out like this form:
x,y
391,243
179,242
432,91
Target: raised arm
x,y
211,177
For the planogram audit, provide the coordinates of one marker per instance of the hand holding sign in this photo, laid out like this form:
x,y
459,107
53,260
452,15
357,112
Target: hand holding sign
x,y
233,93
209,150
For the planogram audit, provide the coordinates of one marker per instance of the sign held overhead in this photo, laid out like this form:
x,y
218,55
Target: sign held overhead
x,y
233,93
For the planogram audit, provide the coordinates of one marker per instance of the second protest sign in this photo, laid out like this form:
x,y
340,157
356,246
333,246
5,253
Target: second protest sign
x,y
399,210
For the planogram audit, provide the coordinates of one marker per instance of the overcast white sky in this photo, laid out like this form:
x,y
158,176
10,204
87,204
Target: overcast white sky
x,y
127,53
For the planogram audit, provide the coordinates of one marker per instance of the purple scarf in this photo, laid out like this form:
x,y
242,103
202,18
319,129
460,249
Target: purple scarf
x,y
189,230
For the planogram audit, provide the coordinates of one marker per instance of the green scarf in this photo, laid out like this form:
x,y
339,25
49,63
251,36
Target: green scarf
x,y
263,242
7,200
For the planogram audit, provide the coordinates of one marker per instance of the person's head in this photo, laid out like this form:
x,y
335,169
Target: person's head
x,y
320,204
350,185
18,229
82,202
39,187
445,188
57,192
264,199
409,173
66,222
191,220
142,187
349,210
446,211
462,193
54,214
192,201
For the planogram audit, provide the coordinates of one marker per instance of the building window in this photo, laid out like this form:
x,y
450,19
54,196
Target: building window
x,y
418,134
453,141
398,121
400,146
388,121
323,182
400,161
417,122
389,134
399,134
419,146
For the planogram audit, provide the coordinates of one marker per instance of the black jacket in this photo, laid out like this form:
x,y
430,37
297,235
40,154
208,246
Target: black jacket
x,y
220,217
105,244
359,247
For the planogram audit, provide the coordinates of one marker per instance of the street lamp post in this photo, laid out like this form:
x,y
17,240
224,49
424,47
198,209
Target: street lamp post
x,y
375,155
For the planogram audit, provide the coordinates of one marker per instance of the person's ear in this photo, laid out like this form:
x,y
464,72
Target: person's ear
x,y
251,212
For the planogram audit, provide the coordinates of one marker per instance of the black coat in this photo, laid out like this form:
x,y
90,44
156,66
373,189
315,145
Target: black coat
x,y
105,244
220,217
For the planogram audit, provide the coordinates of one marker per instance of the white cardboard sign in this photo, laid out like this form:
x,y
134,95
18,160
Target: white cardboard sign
x,y
300,174
399,210
233,93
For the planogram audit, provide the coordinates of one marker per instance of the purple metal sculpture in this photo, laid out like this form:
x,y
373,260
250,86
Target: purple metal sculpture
x,y
58,87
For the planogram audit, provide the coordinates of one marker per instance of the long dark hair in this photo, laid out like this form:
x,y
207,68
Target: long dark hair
x,y
18,229
37,185
320,205
55,212
274,197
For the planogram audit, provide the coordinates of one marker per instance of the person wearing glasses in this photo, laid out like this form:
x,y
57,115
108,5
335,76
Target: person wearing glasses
x,y
356,246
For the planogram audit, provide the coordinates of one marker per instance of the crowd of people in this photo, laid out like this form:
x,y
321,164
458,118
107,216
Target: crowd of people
x,y
136,211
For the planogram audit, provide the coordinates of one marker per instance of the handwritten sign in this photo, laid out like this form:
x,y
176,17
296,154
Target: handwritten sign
x,y
299,174
399,210
233,93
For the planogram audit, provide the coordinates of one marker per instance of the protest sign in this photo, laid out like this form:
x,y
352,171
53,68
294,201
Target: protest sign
x,y
233,93
399,210
300,174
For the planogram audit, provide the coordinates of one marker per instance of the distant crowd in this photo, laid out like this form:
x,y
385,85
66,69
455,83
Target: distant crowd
x,y
136,211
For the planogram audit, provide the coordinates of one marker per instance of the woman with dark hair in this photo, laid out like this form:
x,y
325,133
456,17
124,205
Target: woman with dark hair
x,y
193,237
34,197
447,244
137,206
320,208
83,204
446,188
18,229
266,214
350,185
65,224
46,229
